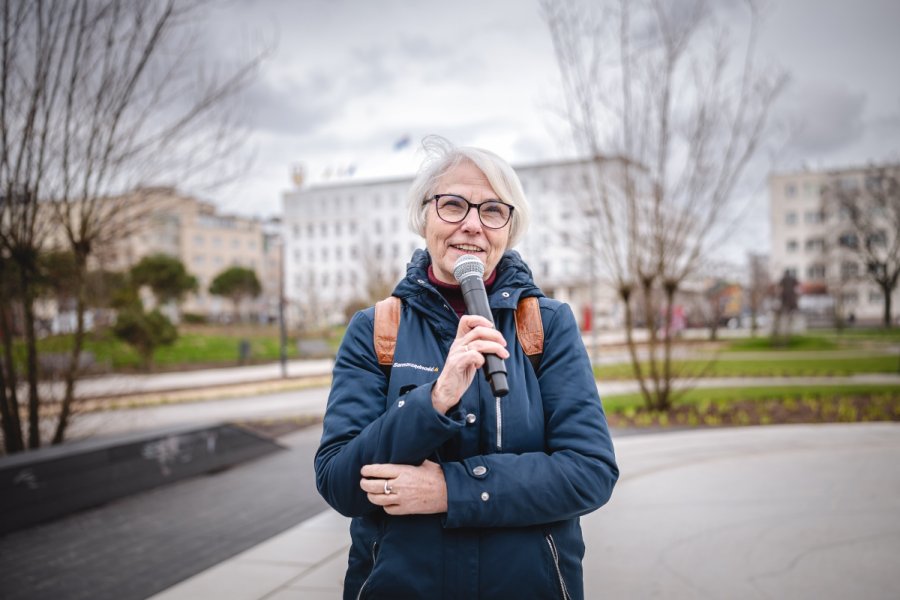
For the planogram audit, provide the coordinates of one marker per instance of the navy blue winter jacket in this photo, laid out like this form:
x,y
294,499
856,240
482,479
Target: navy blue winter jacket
x,y
511,529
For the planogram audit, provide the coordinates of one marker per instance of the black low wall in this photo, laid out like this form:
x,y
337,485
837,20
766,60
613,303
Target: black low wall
x,y
51,482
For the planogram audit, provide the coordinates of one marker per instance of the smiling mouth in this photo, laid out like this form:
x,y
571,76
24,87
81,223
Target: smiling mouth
x,y
467,248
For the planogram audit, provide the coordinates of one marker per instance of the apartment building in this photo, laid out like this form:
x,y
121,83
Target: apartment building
x,y
164,220
812,240
349,242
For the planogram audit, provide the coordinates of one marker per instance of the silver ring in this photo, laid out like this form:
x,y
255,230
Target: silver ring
x,y
465,347
387,487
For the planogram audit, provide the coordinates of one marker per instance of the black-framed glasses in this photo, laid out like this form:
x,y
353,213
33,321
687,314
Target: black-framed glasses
x,y
453,209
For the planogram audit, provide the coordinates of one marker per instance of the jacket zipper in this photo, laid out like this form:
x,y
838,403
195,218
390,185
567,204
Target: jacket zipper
x,y
374,560
555,555
499,425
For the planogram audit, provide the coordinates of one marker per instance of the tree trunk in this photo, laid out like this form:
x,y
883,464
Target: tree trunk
x,y
632,350
667,348
73,368
31,361
886,290
9,400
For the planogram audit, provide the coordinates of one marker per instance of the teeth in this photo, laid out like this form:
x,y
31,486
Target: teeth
x,y
468,248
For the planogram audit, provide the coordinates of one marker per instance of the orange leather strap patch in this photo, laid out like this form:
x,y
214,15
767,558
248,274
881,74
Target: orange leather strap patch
x,y
529,327
387,323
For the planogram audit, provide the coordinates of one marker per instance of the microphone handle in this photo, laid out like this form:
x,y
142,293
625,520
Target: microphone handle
x,y
475,297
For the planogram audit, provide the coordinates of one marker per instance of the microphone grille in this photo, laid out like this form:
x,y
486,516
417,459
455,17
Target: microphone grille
x,y
468,266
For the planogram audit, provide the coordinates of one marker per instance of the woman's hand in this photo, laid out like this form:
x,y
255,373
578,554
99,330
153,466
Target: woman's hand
x,y
475,337
405,489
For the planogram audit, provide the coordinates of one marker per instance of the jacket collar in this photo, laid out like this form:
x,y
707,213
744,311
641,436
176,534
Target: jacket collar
x,y
514,280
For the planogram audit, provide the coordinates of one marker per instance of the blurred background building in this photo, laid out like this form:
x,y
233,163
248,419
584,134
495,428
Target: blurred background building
x,y
814,239
348,243
162,220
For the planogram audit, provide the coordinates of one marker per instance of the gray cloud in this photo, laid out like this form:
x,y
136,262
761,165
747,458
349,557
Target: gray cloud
x,y
292,108
824,117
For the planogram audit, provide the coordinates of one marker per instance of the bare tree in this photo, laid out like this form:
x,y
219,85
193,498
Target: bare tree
x,y
868,216
758,288
671,119
97,97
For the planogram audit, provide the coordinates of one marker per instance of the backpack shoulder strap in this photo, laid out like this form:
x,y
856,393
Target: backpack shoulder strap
x,y
387,323
530,330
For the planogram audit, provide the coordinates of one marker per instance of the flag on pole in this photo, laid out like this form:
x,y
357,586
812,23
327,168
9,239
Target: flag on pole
x,y
401,143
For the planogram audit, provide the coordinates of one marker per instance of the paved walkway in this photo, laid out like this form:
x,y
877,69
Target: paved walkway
x,y
790,511
310,402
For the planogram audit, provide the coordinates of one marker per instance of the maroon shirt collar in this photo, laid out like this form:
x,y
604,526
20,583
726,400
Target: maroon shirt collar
x,y
451,292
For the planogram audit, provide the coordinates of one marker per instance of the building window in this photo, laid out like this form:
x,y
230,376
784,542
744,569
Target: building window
x,y
325,279
815,245
790,218
354,252
339,253
875,297
813,216
849,270
324,229
377,226
848,240
815,272
792,245
337,229
790,190
296,232
310,230
198,239
877,239
850,297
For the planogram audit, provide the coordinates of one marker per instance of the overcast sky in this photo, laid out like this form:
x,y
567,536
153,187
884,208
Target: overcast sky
x,y
347,79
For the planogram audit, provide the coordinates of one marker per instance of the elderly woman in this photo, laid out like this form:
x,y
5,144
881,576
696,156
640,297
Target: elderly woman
x,y
456,493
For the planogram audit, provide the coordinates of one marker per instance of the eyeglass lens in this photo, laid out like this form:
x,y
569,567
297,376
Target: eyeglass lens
x,y
453,209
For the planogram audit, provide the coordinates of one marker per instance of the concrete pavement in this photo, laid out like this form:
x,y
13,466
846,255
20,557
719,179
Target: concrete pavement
x,y
787,511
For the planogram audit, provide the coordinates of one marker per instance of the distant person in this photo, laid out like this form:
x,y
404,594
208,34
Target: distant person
x,y
456,493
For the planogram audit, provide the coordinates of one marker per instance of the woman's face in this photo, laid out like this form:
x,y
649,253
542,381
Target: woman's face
x,y
446,242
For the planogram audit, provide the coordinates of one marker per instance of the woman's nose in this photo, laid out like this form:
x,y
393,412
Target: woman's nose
x,y
472,222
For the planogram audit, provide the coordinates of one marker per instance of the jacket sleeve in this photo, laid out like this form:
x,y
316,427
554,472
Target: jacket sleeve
x,y
576,473
360,428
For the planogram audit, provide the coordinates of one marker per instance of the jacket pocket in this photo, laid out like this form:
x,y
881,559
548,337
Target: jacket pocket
x,y
554,555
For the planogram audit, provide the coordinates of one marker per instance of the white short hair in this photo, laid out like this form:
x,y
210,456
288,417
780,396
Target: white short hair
x,y
440,157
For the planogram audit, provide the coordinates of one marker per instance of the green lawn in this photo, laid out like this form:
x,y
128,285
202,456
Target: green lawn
x,y
795,343
191,349
828,339
800,367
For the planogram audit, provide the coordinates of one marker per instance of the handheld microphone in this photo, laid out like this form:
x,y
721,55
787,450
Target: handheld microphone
x,y
469,272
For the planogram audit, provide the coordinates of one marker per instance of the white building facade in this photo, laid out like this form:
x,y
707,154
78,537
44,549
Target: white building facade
x,y
809,240
343,239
